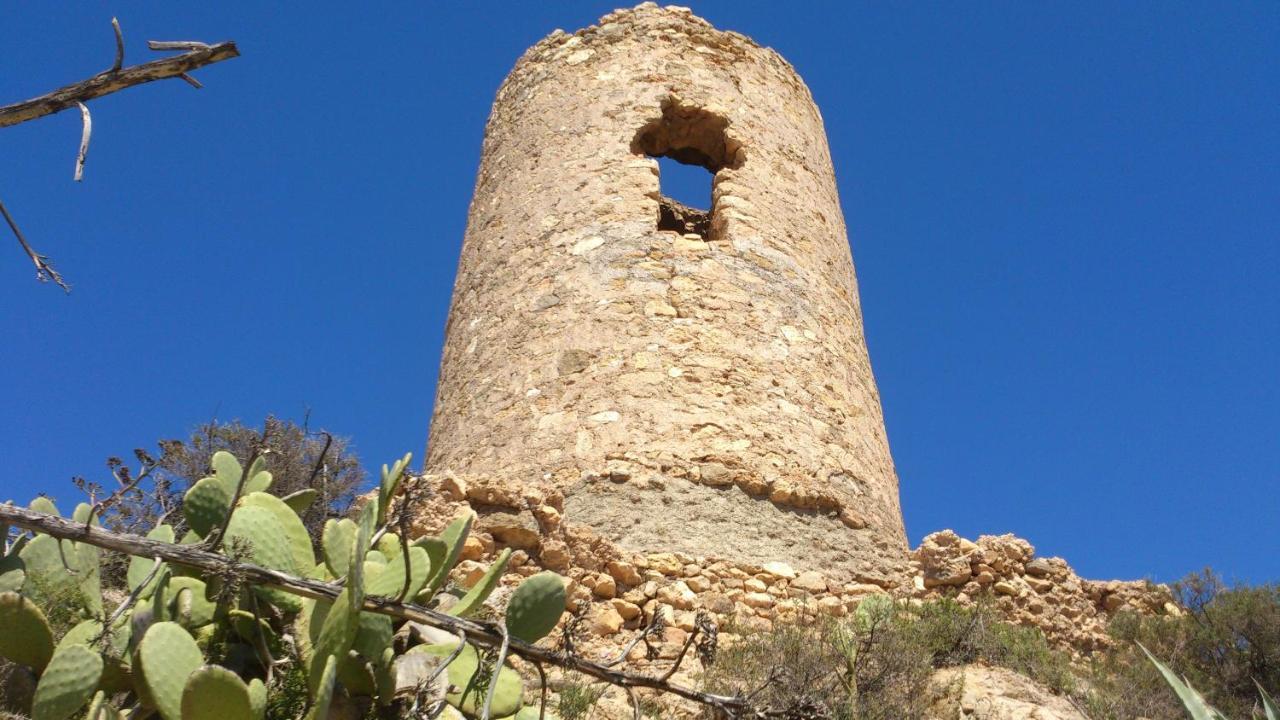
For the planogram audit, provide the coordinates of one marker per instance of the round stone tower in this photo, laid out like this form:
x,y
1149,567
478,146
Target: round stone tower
x,y
691,380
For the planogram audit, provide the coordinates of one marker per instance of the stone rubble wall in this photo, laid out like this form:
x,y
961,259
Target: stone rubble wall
x,y
618,591
1038,592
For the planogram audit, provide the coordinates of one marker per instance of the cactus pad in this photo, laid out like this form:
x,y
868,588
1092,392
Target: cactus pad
x,y
48,581
356,677
82,513
437,553
301,501
299,540
390,581
12,572
454,537
389,546
44,505
67,683
475,597
166,657
338,537
228,471
26,638
373,635
100,709
206,505
190,602
470,694
390,482
257,699
334,635
536,606
322,694
269,546
140,567
216,693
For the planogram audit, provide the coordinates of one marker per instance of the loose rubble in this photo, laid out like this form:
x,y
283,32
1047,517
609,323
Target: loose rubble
x,y
617,593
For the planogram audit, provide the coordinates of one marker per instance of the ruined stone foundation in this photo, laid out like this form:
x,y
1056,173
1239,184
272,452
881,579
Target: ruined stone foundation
x,y
690,381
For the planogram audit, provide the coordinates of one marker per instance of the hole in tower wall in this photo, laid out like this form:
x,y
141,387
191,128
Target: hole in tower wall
x,y
686,141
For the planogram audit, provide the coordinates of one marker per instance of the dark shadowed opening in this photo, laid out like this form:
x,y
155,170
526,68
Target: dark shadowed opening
x,y
688,142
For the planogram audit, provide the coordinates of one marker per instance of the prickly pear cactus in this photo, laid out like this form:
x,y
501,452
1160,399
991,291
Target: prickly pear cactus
x,y
291,525
301,501
67,683
453,538
190,605
154,651
228,471
467,693
342,620
390,482
206,505
140,568
216,693
166,657
25,637
13,572
322,694
475,597
535,607
390,581
256,529
336,541
257,699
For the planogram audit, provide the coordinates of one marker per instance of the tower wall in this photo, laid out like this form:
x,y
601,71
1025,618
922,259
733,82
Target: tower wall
x,y
690,383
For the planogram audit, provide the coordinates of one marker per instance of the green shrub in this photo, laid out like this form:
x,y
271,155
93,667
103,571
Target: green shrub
x,y
1228,639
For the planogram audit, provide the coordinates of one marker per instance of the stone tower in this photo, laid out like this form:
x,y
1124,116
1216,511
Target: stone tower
x,y
692,381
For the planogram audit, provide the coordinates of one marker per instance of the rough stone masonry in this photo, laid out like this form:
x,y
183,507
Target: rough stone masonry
x,y
689,380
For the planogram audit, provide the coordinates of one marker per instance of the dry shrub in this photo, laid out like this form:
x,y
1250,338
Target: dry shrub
x,y
880,668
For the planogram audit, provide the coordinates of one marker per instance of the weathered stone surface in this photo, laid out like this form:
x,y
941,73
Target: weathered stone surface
x,y
512,528
718,353
1044,593
980,692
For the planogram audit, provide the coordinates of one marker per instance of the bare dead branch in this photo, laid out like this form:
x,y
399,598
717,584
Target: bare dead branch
x,y
482,634
497,667
542,702
115,66
44,269
113,80
84,140
177,45
192,81
635,703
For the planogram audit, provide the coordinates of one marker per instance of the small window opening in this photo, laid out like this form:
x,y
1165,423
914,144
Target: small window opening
x,y
687,141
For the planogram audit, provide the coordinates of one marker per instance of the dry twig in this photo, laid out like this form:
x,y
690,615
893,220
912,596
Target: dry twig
x,y
87,121
44,269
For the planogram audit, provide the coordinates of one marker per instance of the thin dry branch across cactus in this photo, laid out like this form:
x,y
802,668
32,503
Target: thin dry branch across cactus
x,y
246,575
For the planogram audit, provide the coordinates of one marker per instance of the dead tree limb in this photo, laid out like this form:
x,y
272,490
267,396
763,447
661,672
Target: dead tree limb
x,y
113,80
482,634
44,269
86,132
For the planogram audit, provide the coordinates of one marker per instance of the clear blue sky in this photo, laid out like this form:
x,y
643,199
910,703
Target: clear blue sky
x,y
1065,218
